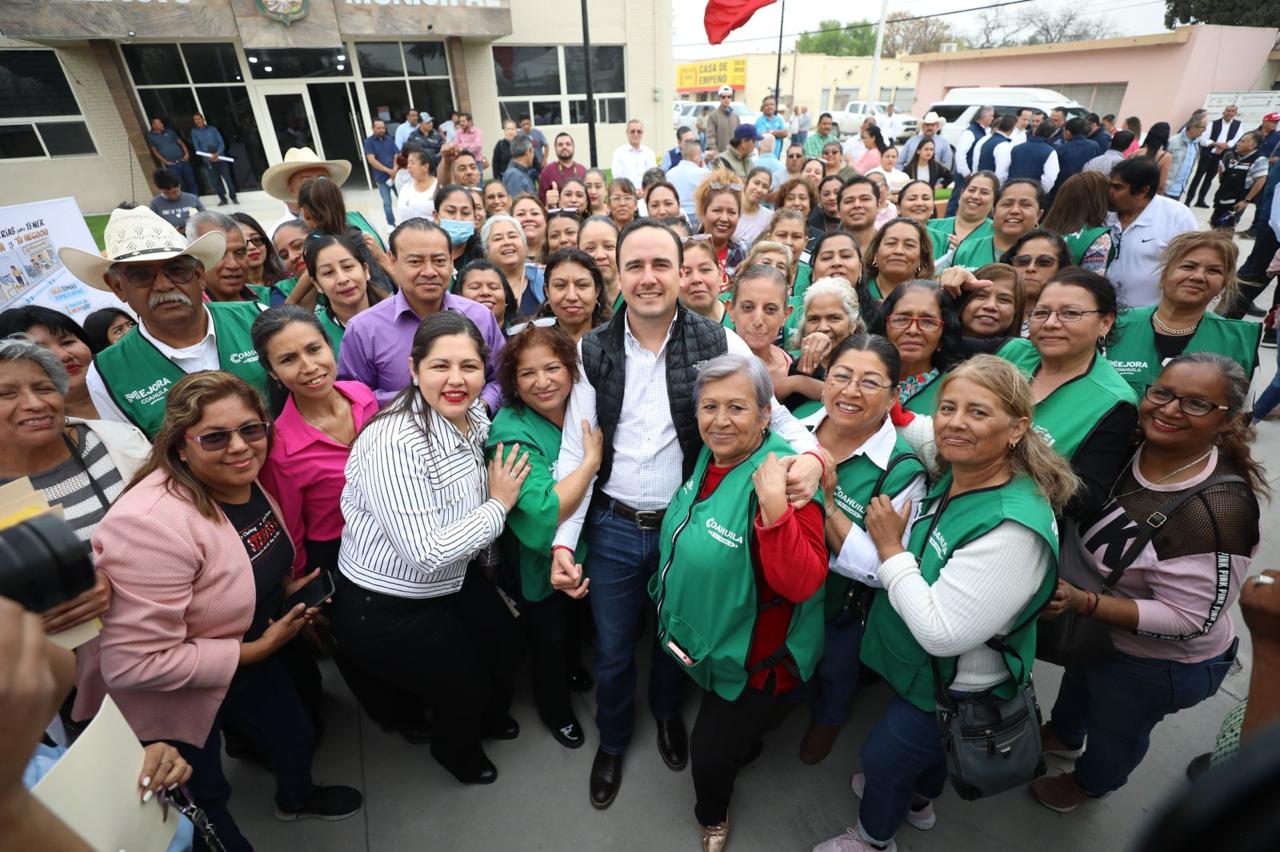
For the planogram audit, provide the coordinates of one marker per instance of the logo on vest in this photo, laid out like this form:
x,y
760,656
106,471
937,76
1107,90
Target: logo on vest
x,y
723,534
938,542
851,507
1043,433
150,395
1129,368
247,357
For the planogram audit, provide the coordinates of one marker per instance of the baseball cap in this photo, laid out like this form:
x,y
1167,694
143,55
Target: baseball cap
x,y
1272,116
745,131
725,90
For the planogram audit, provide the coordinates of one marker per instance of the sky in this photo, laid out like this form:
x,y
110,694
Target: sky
x,y
1129,17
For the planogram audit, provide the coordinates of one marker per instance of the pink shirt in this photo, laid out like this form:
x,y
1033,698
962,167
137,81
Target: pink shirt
x,y
471,140
305,472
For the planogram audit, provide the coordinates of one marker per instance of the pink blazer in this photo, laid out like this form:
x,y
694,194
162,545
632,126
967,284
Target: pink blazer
x,y
183,597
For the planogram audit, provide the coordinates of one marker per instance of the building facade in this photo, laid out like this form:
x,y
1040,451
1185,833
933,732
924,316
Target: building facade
x,y
1160,77
816,81
81,79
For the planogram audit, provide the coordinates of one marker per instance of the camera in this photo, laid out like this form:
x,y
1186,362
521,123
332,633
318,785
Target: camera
x,y
43,563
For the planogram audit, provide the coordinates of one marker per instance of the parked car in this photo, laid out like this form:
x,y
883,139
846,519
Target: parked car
x,y
691,111
960,105
849,120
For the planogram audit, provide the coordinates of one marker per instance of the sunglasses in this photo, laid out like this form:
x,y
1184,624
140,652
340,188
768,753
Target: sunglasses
x,y
257,241
1041,261
220,439
540,322
178,271
694,239
736,187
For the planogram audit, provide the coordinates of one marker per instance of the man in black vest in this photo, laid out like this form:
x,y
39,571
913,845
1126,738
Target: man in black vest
x,y
1222,136
1001,134
1035,159
637,384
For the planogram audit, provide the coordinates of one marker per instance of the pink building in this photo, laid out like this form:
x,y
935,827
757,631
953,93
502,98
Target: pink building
x,y
1160,77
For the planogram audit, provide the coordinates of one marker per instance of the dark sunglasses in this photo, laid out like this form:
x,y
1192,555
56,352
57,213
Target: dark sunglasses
x,y
177,271
220,439
1041,261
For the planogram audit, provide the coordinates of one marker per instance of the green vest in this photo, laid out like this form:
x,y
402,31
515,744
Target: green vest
x,y
940,229
357,220
281,289
138,377
706,589
974,254
804,277
1135,357
926,400
1078,243
531,526
945,525
332,328
1066,417
858,479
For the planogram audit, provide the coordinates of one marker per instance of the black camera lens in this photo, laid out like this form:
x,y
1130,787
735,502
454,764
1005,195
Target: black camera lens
x,y
43,563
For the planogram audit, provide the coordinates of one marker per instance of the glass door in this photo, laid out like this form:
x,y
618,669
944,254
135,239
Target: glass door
x,y
319,116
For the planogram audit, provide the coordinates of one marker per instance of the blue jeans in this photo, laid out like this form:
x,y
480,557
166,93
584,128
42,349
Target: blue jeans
x,y
384,189
836,678
1270,397
1118,702
621,558
186,177
902,757
219,174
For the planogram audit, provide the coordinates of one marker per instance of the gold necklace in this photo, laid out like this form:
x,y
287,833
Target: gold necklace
x,y
1166,329
1161,479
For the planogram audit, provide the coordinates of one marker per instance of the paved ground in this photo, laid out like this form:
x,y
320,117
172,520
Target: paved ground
x,y
540,799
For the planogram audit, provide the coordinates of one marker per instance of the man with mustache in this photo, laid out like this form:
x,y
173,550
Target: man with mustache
x,y
227,280
149,266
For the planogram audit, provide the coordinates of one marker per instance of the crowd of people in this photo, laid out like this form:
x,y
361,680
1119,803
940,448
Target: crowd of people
x,y
820,421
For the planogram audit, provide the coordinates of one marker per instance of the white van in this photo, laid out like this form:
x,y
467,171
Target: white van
x,y
960,105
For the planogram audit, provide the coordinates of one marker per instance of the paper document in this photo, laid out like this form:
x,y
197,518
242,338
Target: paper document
x,y
223,158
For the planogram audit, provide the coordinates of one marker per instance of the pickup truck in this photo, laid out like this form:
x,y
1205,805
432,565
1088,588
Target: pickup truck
x,y
849,120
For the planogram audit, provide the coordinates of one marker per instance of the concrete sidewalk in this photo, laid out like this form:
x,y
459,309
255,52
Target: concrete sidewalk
x,y
540,799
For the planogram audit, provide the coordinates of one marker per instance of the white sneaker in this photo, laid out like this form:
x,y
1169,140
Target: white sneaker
x,y
853,841
923,819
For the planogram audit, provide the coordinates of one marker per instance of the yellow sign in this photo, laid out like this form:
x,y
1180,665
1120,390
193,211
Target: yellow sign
x,y
712,74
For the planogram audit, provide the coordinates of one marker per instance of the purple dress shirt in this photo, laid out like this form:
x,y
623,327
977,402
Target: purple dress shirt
x,y
375,347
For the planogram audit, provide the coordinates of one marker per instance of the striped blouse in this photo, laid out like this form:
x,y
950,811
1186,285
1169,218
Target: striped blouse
x,y
68,484
417,503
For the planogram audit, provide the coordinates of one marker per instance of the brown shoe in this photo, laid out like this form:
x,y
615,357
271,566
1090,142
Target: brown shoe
x,y
714,837
817,742
1050,744
1061,793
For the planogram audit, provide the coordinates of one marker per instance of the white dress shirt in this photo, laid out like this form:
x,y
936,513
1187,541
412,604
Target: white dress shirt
x,y
648,465
967,140
1224,135
858,558
685,176
189,359
1135,271
631,163
1018,136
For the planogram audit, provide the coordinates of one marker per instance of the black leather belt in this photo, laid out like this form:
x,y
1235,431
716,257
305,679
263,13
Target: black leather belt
x,y
645,519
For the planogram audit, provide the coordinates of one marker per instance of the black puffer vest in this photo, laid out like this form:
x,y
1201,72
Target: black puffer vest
x,y
693,340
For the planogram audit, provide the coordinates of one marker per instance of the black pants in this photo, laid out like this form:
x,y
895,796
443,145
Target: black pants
x,y
211,792
723,736
457,654
1206,169
554,640
1252,275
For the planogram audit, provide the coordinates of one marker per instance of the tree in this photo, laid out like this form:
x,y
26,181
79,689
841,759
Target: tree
x,y
923,35
1229,13
1037,25
832,38
993,29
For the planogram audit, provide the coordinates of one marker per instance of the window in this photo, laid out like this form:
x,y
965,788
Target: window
x,y
903,98
549,83
886,93
289,62
39,115
175,82
403,75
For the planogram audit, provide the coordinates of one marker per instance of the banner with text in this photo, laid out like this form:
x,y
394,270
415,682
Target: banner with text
x,y
30,272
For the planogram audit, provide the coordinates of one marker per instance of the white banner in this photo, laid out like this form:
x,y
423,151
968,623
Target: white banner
x,y
30,272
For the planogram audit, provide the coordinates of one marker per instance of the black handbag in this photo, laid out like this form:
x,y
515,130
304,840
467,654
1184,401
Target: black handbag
x,y
1072,639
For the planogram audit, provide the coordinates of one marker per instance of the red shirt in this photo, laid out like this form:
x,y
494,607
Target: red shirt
x,y
790,560
552,172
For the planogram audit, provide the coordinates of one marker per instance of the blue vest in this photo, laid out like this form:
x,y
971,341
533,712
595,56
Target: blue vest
x,y
987,159
1027,159
979,133
1072,155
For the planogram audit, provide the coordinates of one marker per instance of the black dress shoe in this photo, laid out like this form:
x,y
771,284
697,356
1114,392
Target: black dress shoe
x,y
1202,204
606,778
673,743
580,680
475,769
569,735
505,729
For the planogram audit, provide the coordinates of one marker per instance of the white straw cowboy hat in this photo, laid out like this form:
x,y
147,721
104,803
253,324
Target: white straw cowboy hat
x,y
275,180
140,235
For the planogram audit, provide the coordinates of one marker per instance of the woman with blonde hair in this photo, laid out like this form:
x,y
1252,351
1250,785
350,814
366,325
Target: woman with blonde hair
x,y
979,564
1079,216
718,201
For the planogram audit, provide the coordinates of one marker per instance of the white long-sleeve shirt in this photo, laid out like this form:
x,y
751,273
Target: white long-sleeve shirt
x,y
966,141
648,465
631,163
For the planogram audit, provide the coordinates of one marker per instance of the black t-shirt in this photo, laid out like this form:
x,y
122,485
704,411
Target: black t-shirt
x,y
270,553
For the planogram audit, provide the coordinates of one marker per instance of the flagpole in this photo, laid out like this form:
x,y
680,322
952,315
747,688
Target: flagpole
x,y
591,97
777,76
874,94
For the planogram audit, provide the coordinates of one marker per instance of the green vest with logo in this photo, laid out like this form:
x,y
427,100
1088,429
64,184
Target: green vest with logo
x,y
531,525
1136,359
1078,243
945,525
975,254
138,376
804,277
1066,417
706,588
940,229
276,294
858,479
926,399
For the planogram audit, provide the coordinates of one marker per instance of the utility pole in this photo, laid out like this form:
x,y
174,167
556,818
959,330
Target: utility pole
x,y
874,94
777,76
591,95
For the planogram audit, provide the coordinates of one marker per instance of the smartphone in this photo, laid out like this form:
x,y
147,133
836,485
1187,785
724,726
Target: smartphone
x,y
312,594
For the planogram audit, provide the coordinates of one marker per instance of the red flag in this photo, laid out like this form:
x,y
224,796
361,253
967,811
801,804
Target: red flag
x,y
724,16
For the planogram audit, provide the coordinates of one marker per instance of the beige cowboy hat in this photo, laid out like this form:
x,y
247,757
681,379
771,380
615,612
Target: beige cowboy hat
x,y
931,117
275,180
140,235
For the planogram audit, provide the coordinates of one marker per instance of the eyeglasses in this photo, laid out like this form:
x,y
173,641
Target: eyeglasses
x,y
799,156
620,198
902,322
1193,405
840,380
540,322
694,239
136,275
1041,261
1041,315
736,187
256,241
220,439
